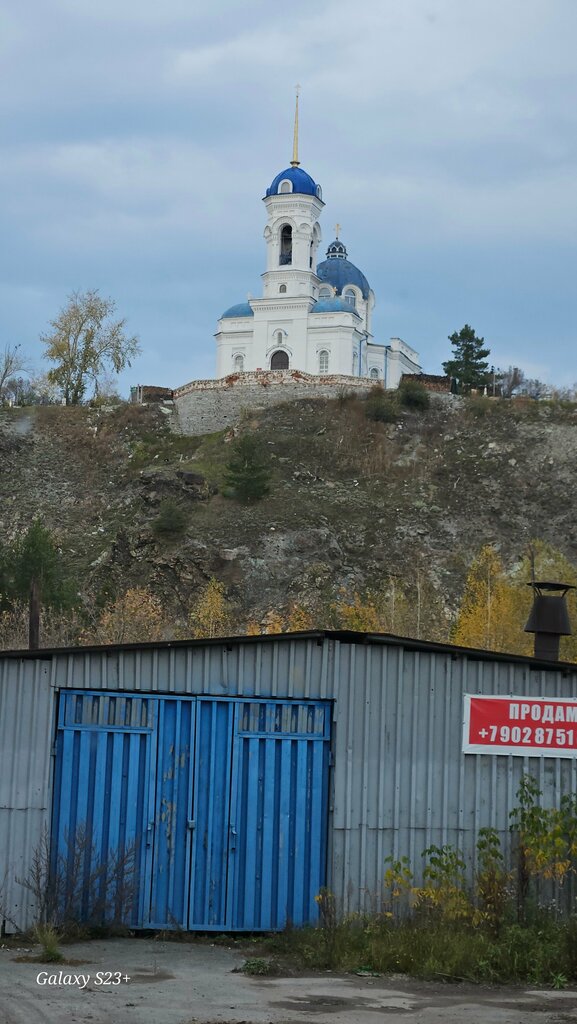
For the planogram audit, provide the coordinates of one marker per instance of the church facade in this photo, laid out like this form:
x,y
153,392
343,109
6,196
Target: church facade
x,y
313,316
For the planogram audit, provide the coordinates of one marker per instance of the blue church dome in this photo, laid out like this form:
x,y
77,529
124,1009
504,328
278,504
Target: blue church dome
x,y
338,271
301,182
241,309
334,305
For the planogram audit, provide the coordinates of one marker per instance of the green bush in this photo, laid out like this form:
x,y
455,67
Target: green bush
x,y
171,519
381,407
413,395
247,470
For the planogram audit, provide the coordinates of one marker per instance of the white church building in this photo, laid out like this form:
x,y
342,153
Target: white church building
x,y
313,317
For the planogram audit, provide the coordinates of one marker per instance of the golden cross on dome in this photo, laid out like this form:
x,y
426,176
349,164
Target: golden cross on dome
x,y
337,229
295,160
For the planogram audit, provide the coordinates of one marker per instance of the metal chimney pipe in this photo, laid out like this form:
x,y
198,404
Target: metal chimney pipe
x,y
549,618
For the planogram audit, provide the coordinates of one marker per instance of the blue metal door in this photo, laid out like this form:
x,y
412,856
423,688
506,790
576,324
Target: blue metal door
x,y
103,805
169,835
279,813
212,780
199,813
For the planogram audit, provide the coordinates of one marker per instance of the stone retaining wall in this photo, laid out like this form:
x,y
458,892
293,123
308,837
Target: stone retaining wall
x,y
204,406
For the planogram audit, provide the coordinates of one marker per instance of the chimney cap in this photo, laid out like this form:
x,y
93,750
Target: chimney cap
x,y
540,585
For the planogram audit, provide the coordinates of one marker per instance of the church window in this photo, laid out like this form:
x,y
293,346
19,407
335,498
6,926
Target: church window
x,y
319,192
285,186
311,255
323,361
279,337
286,245
355,364
325,293
350,297
279,361
239,363
282,289
374,374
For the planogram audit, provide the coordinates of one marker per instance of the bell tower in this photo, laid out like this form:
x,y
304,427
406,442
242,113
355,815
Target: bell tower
x,y
292,234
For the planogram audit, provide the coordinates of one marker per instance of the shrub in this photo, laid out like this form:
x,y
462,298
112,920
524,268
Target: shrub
x,y
171,519
413,395
381,407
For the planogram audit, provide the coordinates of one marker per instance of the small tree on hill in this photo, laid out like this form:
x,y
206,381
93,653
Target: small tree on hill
x,y
31,570
136,616
469,363
84,343
210,615
247,471
12,362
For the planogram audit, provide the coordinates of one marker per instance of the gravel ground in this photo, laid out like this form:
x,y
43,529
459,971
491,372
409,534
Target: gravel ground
x,y
195,983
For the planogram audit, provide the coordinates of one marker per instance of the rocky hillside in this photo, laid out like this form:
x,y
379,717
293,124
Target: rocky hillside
x,y
353,503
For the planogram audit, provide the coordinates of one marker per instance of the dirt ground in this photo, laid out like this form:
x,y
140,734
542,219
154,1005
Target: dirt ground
x,y
146,981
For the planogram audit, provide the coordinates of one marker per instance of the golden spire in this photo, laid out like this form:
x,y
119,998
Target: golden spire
x,y
295,160
337,229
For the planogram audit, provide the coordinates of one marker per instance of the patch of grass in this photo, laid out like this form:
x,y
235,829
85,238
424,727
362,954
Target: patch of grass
x,y
257,965
542,954
47,936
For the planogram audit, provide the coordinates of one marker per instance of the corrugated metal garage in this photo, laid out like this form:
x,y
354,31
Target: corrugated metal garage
x,y
336,749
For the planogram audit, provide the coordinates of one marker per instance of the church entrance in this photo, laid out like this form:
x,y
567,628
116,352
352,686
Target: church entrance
x,y
279,361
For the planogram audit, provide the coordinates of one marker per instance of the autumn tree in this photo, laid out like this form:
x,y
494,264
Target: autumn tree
x,y
493,609
469,363
12,362
210,614
509,381
85,342
134,617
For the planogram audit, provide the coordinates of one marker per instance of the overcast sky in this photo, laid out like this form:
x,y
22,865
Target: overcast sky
x,y
138,139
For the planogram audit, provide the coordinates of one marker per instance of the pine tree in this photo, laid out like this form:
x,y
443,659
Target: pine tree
x,y
32,570
247,471
469,364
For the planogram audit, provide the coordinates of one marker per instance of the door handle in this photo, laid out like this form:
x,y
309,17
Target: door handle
x,y
233,834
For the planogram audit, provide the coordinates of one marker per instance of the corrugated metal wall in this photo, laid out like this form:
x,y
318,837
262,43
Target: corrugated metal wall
x,y
400,780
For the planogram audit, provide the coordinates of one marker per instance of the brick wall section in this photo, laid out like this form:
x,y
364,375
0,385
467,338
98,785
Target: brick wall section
x,y
430,381
204,406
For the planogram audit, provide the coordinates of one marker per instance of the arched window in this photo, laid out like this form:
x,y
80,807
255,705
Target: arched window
x,y
323,361
355,364
285,186
279,361
374,374
350,297
279,337
319,192
286,245
325,293
239,363
282,289
311,254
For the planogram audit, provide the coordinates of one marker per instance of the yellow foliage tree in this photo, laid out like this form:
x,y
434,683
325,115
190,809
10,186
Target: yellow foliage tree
x,y
299,619
273,623
135,617
358,613
211,615
492,613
